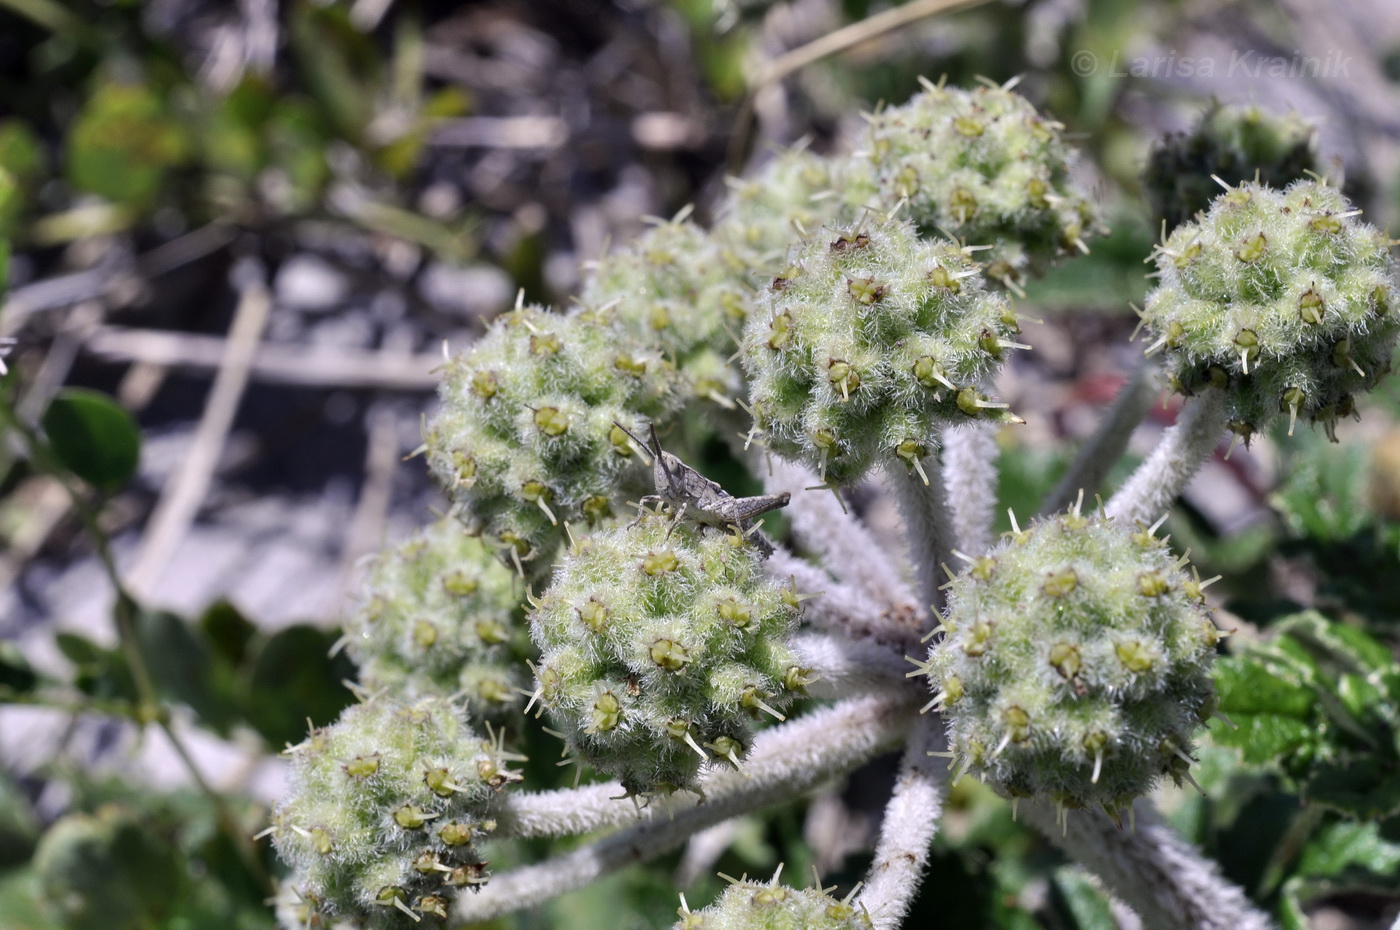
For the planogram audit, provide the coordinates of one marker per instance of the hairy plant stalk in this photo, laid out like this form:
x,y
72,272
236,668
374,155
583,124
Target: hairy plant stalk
x,y
1165,880
1164,475
1103,449
924,508
911,819
785,762
842,541
846,668
843,610
970,476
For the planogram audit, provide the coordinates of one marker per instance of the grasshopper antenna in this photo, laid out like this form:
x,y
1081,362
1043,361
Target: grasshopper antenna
x,y
633,436
656,451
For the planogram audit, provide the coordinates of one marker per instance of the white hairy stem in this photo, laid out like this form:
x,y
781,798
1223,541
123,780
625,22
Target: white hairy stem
x,y
1103,449
1150,868
928,526
970,475
1149,492
840,608
785,762
845,667
911,820
838,537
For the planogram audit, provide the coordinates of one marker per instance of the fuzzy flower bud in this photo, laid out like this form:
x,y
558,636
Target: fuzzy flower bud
x,y
526,437
385,808
794,194
673,292
754,905
868,344
1235,144
1283,299
1076,665
981,165
438,616
661,647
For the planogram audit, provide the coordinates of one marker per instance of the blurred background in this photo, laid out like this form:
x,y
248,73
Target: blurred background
x,y
256,224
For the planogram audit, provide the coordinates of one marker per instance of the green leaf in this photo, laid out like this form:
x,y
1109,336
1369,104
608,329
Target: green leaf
x,y
19,828
93,437
1084,904
102,673
295,678
22,903
1363,786
1336,645
1350,848
183,668
15,672
1325,496
123,144
1274,716
229,632
108,872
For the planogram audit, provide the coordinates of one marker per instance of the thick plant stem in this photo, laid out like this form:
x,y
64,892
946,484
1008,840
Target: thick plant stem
x,y
785,762
970,474
1150,490
1103,449
828,530
845,668
841,609
1166,881
929,529
911,819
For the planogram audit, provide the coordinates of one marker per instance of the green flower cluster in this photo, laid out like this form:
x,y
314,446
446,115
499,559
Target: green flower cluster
x,y
1235,144
661,645
674,291
792,196
753,905
527,438
868,344
981,165
384,810
1076,663
438,615
1283,299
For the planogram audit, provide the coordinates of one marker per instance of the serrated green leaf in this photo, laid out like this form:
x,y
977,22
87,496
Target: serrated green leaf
x,y
1273,716
1325,495
1340,848
1365,787
1336,645
93,437
1085,906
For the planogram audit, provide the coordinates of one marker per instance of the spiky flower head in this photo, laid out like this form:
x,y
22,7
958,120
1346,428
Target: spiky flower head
x,y
981,165
869,343
793,194
661,647
526,436
771,905
1076,663
438,615
672,291
1283,299
1235,144
384,811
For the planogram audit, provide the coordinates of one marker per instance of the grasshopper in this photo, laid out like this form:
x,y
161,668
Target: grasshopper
x,y
689,492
